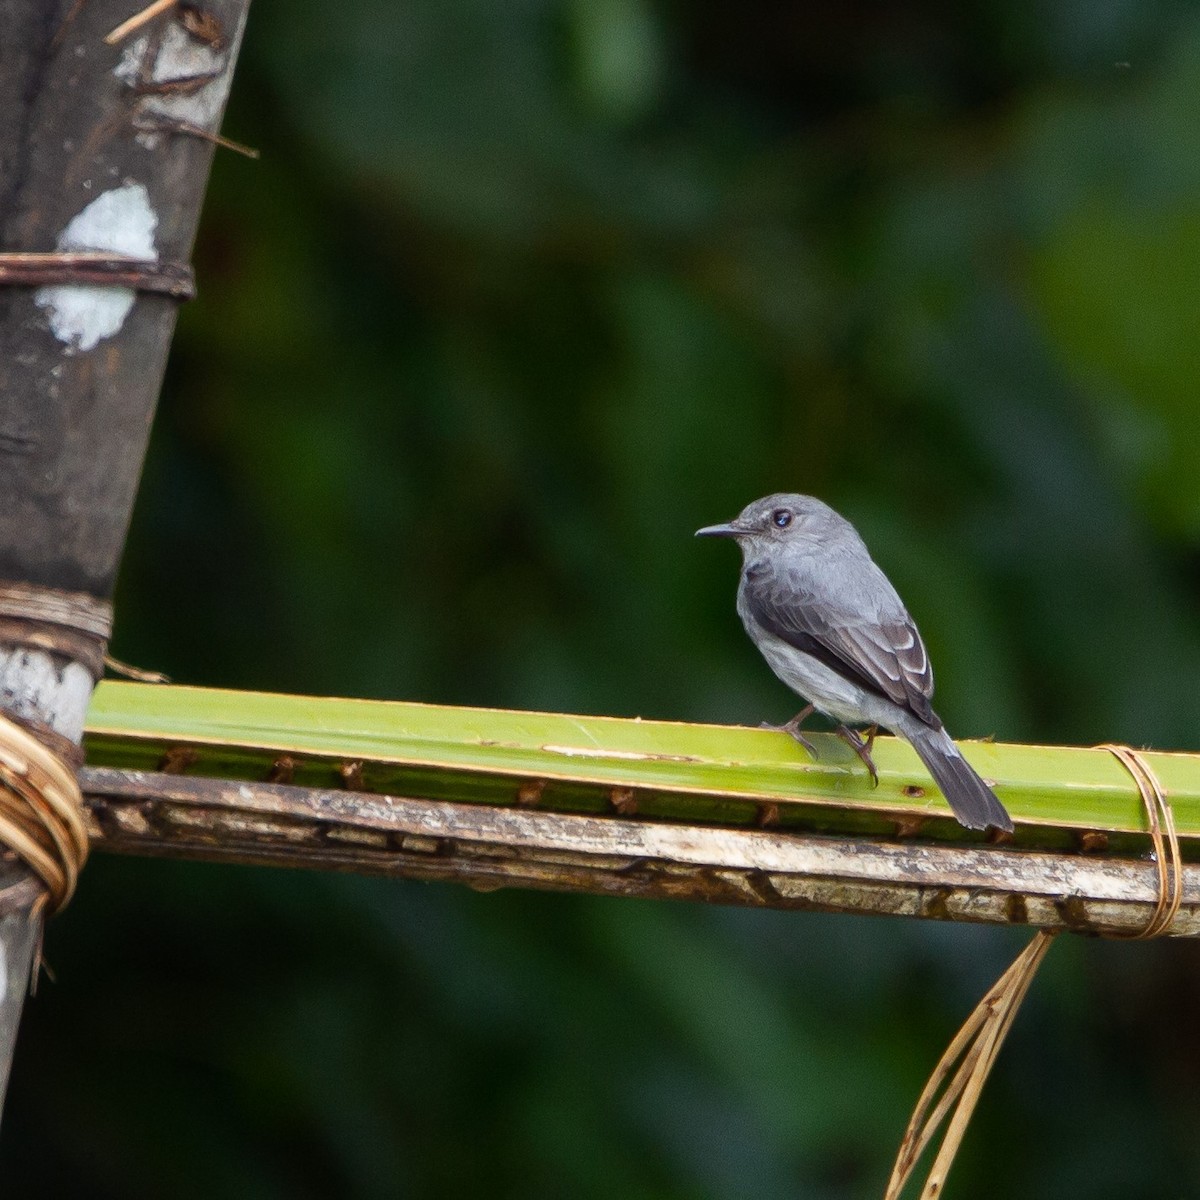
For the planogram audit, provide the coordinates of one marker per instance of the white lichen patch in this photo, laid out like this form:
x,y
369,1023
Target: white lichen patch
x,y
130,64
182,57
119,221
34,686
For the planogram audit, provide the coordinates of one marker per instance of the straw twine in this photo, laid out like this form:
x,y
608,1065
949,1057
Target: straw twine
x,y
963,1069
41,812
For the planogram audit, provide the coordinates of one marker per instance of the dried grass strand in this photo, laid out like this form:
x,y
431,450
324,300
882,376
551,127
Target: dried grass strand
x,y
966,1063
963,1069
138,19
41,812
1168,861
117,667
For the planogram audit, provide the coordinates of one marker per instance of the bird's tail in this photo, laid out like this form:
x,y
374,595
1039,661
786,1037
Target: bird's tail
x,y
974,803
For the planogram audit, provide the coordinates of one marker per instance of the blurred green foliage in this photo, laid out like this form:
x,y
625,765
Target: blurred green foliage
x,y
519,296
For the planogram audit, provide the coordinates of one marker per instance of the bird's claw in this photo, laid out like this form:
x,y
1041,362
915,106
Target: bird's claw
x,y
802,740
863,749
792,729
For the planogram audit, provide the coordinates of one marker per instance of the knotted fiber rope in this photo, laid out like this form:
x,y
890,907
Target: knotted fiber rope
x,y
969,1057
41,812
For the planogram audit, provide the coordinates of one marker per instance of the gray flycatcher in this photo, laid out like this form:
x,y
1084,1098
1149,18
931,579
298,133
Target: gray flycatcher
x,y
830,625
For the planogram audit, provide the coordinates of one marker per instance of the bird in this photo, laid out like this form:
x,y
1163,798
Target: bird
x,y
832,627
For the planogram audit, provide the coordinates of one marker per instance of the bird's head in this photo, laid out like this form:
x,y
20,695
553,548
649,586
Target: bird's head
x,y
776,520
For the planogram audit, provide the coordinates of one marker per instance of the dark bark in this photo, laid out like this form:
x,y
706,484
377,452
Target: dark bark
x,y
80,369
18,945
73,426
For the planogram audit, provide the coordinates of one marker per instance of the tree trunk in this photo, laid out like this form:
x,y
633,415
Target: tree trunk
x,y
102,154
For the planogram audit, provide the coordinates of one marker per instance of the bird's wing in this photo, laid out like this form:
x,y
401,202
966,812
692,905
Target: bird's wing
x,y
885,656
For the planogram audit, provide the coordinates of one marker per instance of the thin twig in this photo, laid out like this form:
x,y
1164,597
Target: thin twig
x,y
117,667
135,22
187,129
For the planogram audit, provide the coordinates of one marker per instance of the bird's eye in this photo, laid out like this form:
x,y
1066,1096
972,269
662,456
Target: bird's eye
x,y
781,517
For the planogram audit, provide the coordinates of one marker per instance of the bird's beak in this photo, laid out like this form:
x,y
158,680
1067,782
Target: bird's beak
x,y
729,530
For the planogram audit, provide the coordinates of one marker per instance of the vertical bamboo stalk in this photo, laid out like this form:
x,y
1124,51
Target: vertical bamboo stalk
x,y
103,150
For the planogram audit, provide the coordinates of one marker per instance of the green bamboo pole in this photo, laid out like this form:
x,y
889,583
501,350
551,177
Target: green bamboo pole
x,y
1061,797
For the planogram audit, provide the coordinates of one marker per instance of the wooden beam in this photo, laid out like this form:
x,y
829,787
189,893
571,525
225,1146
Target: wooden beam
x,y
487,847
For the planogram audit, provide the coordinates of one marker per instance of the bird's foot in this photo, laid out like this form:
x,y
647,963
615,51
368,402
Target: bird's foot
x,y
862,748
792,728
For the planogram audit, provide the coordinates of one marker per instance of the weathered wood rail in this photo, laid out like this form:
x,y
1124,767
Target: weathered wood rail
x,y
486,847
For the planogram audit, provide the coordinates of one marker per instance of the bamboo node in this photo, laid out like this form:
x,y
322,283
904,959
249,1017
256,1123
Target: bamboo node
x,y
41,812
529,794
74,625
624,801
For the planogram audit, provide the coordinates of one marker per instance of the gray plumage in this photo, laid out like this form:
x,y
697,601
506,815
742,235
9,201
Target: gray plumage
x,y
831,626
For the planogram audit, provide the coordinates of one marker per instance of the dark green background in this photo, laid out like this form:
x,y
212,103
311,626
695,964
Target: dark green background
x,y
519,295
